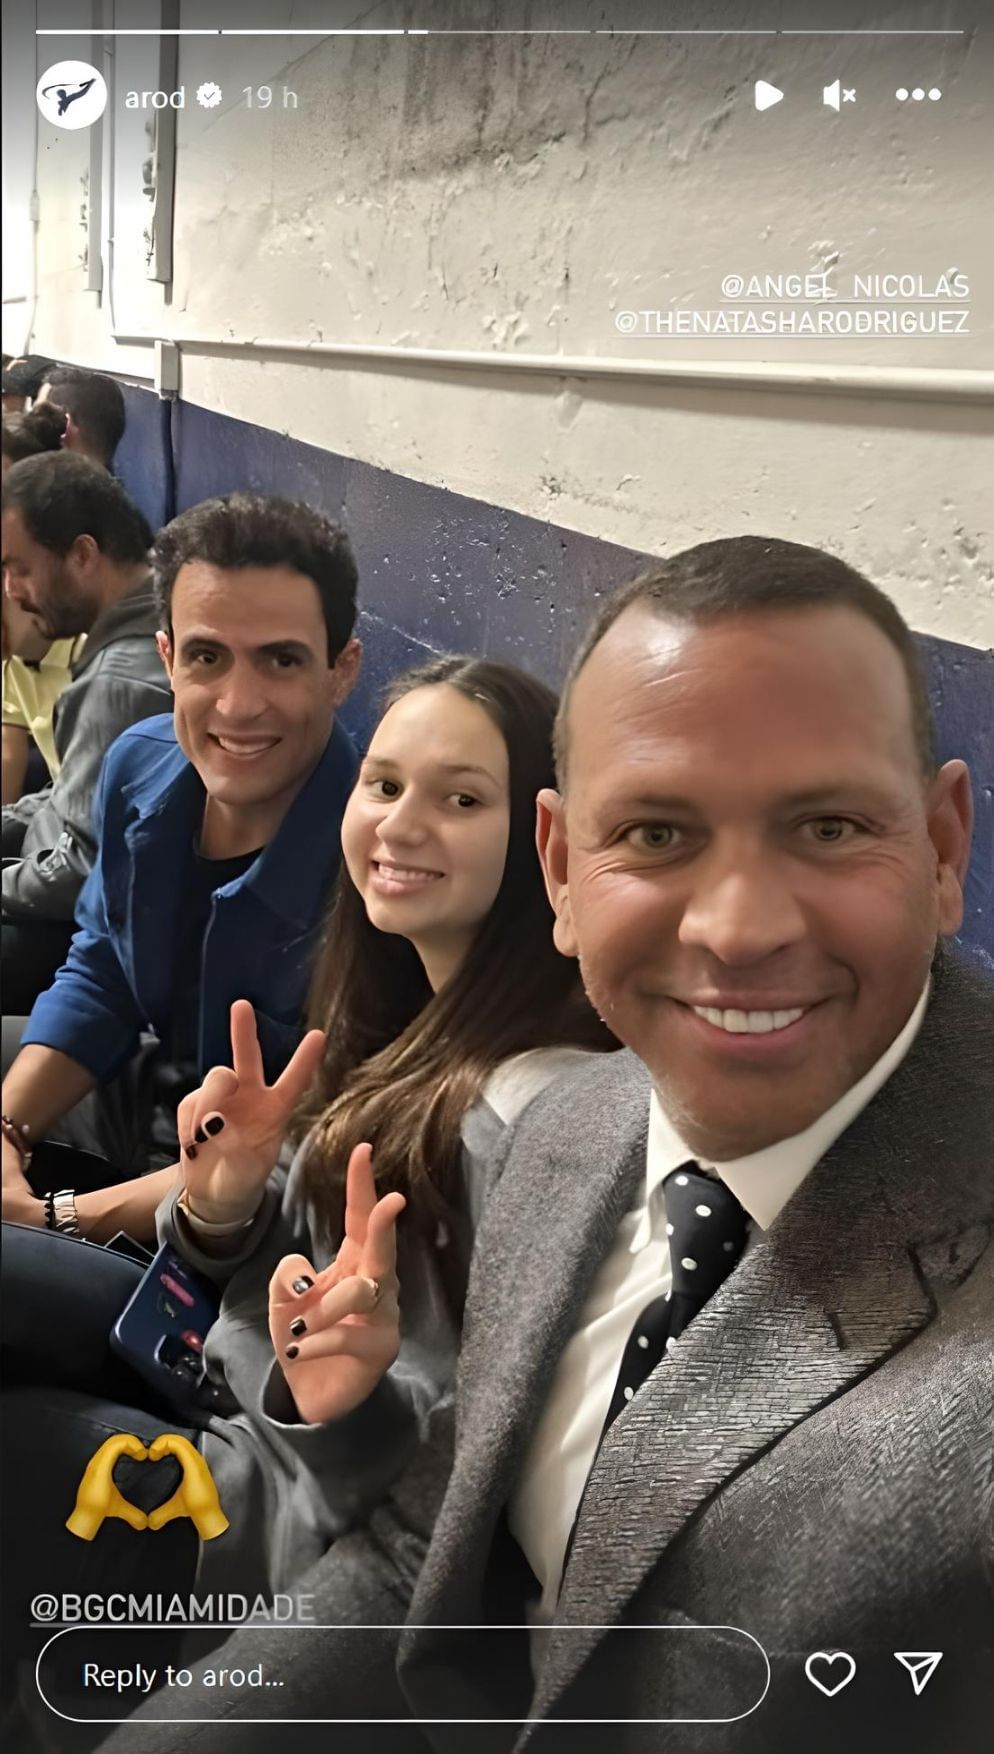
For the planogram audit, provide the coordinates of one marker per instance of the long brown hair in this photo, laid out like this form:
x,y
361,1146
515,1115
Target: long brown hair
x,y
403,1064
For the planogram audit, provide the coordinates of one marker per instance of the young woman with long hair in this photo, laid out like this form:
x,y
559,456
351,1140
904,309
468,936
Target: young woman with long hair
x,y
441,1008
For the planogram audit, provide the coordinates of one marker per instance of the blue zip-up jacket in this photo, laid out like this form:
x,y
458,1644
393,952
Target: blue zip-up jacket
x,y
259,943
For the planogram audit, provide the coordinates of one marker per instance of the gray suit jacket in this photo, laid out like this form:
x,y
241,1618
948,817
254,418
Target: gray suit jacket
x,y
814,1464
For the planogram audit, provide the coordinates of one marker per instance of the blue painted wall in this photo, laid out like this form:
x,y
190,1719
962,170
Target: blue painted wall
x,y
439,572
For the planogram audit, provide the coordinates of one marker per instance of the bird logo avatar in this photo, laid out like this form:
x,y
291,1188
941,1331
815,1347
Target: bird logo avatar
x,y
72,94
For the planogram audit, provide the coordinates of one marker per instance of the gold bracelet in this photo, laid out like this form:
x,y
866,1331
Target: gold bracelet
x,y
208,1225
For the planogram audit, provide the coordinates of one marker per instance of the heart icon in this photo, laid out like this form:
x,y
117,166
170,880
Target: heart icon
x,y
99,1497
828,1663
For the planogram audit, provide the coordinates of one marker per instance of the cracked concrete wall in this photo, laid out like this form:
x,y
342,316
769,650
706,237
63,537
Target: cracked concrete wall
x,y
512,194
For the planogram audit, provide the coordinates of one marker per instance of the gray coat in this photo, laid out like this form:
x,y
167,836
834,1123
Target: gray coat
x,y
299,1487
48,838
813,1465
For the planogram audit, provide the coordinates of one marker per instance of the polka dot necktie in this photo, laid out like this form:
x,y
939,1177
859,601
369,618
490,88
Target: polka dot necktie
x,y
707,1231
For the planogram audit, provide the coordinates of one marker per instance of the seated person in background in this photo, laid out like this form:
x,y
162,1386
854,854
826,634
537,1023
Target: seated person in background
x,y
445,1009
35,669
35,672
218,838
26,435
94,405
75,556
22,379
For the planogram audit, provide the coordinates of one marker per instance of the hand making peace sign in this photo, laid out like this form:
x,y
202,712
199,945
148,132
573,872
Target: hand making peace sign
x,y
337,1333
232,1128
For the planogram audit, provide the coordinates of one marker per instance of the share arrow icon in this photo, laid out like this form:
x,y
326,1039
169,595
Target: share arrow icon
x,y
921,1666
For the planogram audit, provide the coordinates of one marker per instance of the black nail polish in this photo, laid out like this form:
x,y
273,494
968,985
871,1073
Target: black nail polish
x,y
302,1284
214,1125
189,1150
200,1136
298,1326
292,1351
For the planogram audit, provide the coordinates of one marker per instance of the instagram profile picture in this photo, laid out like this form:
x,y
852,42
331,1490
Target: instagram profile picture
x,y
72,94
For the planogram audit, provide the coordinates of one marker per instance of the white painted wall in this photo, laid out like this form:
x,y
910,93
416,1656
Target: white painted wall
x,y
510,195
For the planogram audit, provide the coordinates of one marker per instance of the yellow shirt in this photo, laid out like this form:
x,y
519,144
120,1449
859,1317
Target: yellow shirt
x,y
30,692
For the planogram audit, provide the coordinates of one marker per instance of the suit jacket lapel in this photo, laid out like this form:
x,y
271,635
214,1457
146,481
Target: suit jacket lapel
x,y
835,1286
785,1334
540,1244
841,1280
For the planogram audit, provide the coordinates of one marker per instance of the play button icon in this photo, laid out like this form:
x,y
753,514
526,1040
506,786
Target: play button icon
x,y
767,95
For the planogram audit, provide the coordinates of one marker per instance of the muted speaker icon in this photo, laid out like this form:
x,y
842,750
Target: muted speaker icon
x,y
832,94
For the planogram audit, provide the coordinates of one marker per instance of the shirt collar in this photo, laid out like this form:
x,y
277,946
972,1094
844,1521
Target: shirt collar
x,y
292,874
764,1181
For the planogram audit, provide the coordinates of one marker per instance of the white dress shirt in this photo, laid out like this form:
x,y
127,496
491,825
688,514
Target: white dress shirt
x,y
543,1506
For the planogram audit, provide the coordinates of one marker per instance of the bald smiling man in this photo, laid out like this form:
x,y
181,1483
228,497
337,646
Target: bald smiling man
x,y
725,1399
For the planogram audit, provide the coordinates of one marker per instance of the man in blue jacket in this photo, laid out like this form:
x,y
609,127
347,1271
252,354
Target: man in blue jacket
x,y
218,839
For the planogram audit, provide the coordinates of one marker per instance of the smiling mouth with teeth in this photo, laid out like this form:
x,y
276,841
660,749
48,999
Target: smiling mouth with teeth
x,y
404,873
749,1022
233,747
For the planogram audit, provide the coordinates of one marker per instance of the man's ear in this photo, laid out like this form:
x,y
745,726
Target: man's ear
x,y
553,853
164,646
70,440
949,813
345,672
85,555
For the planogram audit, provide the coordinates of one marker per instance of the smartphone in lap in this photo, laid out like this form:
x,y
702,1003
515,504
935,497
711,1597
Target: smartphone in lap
x,y
163,1327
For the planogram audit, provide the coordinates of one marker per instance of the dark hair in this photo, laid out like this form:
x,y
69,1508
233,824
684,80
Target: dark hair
x,y
62,496
754,575
27,435
25,376
403,1064
94,402
256,529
